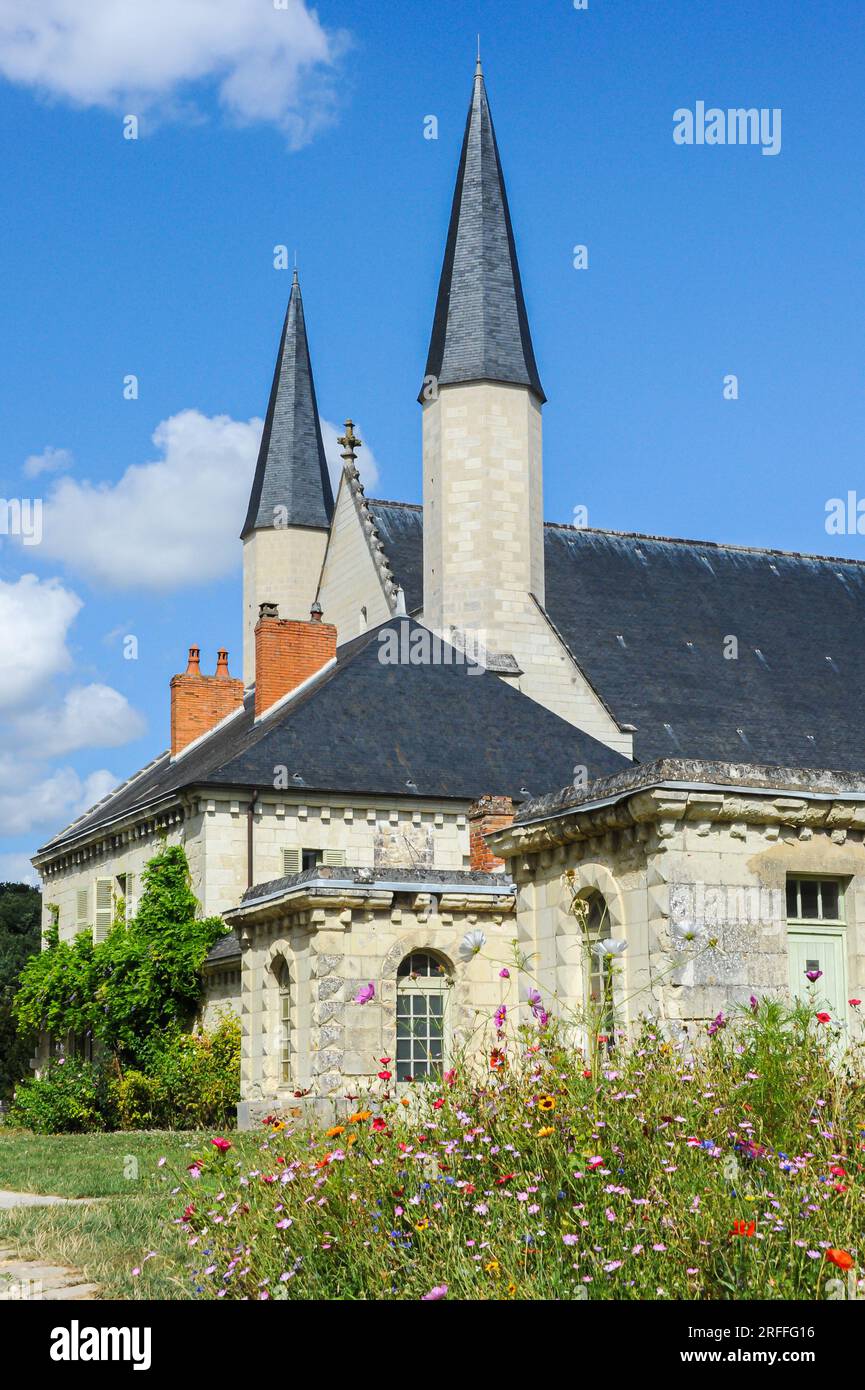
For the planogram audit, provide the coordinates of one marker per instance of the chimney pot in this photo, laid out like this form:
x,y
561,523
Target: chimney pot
x,y
199,703
315,612
268,610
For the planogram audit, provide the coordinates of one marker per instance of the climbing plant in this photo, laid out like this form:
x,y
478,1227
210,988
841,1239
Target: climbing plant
x,y
143,979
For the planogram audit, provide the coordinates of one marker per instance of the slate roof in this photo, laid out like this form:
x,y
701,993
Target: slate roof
x,y
481,329
369,728
646,619
291,471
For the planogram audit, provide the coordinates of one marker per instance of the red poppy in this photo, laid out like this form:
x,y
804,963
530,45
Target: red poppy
x,y
837,1171
384,1061
743,1228
385,1075
437,1104
379,1124
842,1258
189,1212
854,1003
469,1189
506,1177
824,1018
586,1072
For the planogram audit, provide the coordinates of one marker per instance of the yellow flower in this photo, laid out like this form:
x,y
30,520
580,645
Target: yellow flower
x,y
275,1129
422,1224
352,1139
547,1129
547,1103
512,1288
359,1116
334,1131
492,1267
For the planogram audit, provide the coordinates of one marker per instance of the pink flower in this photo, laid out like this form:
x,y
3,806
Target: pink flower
x,y
222,1144
436,1293
504,974
823,1018
570,1239
364,995
854,1003
813,975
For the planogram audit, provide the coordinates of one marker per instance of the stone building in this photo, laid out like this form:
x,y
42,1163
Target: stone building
x,y
384,783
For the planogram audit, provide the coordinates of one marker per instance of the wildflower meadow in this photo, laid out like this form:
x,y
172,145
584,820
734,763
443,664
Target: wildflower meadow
x,y
547,1164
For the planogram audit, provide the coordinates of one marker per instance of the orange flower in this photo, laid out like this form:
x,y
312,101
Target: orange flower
x,y
842,1258
547,1129
497,1060
359,1116
334,1131
743,1228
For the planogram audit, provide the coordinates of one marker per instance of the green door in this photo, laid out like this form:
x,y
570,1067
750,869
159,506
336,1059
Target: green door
x,y
824,951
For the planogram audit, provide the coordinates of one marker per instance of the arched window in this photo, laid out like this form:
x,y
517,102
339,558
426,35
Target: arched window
x,y
421,992
283,980
599,980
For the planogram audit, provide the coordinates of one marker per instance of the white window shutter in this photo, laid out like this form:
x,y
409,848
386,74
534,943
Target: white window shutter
x,y
333,857
104,908
130,897
81,903
291,861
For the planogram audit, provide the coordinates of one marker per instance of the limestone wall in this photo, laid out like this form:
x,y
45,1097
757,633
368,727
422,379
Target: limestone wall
x,y
332,952
676,886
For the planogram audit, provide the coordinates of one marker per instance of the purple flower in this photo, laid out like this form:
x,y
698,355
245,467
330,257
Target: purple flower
x,y
536,1004
500,1015
504,974
753,1002
439,1291
718,1022
364,995
813,975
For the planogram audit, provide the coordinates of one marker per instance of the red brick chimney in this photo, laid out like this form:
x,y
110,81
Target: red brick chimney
x,y
199,703
486,814
288,652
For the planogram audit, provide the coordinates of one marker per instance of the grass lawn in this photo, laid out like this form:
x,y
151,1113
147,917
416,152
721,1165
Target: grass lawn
x,y
110,1237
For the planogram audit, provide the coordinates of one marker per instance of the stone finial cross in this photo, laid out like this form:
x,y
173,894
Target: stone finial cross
x,y
350,443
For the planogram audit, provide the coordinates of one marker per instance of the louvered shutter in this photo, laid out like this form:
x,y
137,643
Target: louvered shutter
x,y
291,863
81,903
104,908
129,896
333,857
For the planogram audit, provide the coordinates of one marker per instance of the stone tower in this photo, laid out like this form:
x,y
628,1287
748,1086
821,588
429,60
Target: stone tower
x,y
291,503
482,399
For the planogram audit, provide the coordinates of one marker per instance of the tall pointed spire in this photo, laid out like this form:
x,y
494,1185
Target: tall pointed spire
x,y
481,329
291,486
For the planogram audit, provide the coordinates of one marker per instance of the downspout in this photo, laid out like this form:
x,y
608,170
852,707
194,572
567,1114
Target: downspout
x,y
250,822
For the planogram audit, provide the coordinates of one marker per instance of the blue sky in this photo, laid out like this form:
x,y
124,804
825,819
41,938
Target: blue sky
x,y
155,257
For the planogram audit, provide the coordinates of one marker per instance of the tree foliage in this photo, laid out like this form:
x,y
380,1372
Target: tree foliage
x,y
143,979
20,917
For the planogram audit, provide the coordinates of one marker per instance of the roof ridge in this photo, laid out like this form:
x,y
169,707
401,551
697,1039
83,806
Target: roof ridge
x,y
713,545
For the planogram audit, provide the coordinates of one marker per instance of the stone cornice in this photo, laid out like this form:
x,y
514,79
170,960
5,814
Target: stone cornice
x,y
831,801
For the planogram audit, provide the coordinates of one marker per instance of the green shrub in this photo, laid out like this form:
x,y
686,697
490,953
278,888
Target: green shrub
x,y
139,1101
70,1097
198,1075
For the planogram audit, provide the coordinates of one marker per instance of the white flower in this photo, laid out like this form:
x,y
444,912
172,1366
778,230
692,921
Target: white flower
x,y
472,942
610,947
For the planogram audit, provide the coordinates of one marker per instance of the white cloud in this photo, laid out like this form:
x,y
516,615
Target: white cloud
x,y
91,716
29,799
265,63
35,616
175,522
51,460
16,868
167,524
367,465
